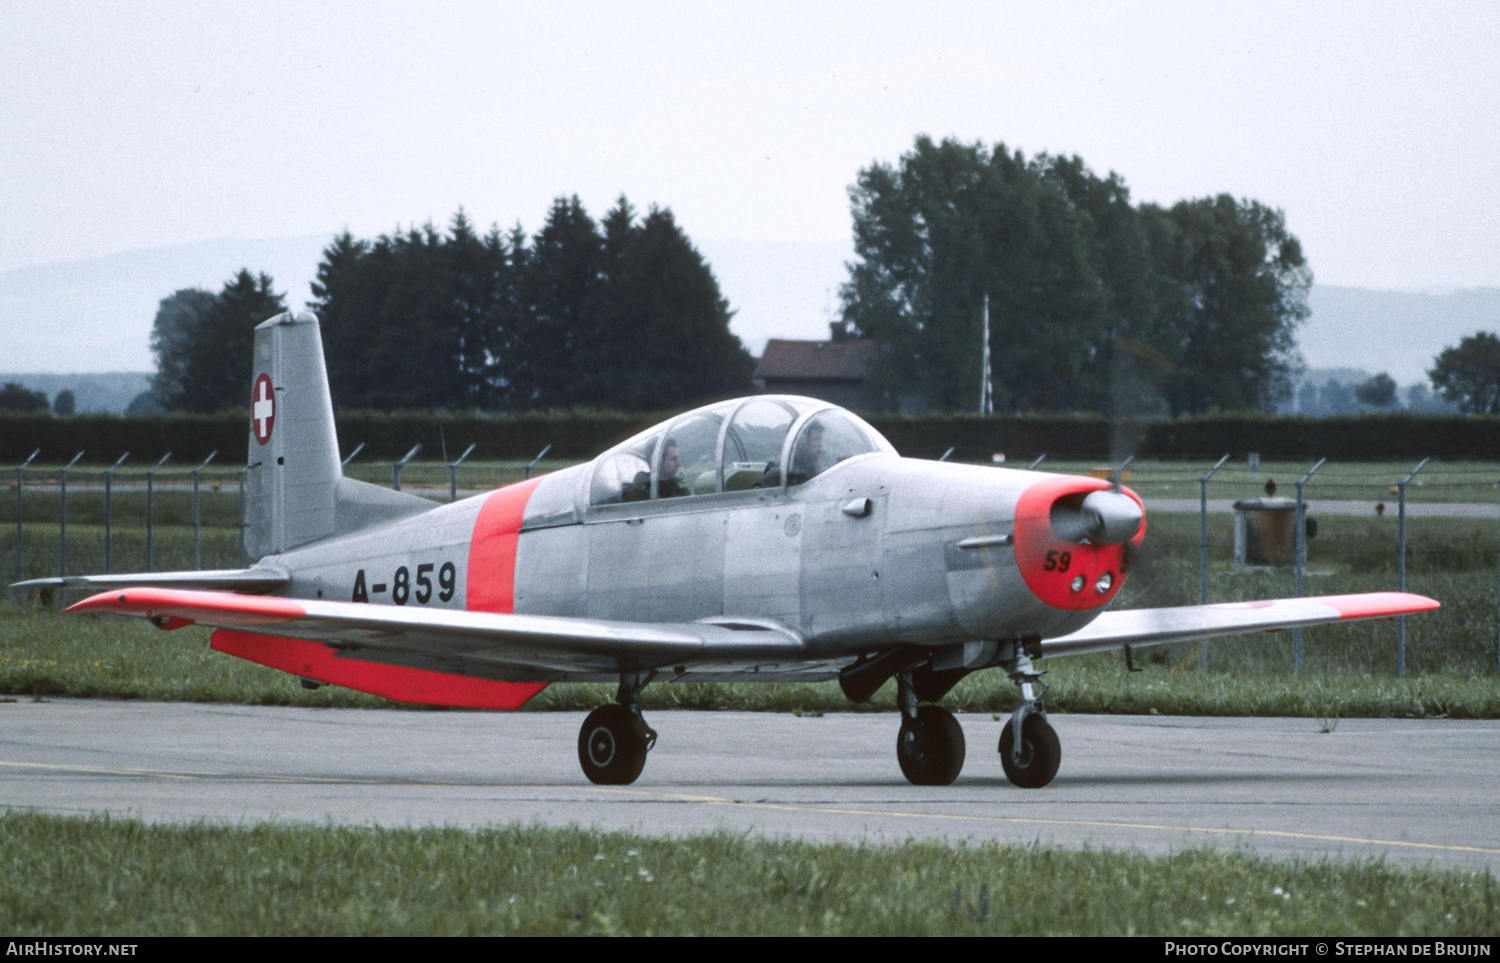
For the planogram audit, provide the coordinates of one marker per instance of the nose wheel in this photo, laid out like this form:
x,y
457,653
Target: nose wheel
x,y
1033,763
1030,761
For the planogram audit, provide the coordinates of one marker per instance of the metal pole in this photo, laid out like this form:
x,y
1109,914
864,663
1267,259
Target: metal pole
x,y
197,527
244,559
20,559
150,495
539,456
1203,549
1300,537
1401,564
1039,459
108,511
357,449
396,468
453,475
947,453
62,526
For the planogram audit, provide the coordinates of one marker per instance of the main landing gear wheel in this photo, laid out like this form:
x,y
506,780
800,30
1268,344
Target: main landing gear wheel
x,y
930,748
1040,753
612,745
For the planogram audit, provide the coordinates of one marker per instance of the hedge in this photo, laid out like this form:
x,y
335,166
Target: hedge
x,y
579,435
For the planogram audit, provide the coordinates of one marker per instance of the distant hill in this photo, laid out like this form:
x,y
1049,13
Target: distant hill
x,y
110,392
1398,332
96,315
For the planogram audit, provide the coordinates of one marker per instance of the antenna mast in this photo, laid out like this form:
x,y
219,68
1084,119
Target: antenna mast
x,y
986,392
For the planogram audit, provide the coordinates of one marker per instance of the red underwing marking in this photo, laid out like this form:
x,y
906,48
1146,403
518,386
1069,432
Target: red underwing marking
x,y
316,661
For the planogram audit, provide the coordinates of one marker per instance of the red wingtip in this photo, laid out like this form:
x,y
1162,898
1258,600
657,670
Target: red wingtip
x,y
168,606
1376,604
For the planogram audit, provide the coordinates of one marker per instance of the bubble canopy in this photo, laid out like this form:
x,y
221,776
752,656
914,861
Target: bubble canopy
x,y
763,442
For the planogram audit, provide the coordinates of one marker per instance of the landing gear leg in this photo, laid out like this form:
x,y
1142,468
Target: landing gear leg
x,y
614,740
1030,760
930,745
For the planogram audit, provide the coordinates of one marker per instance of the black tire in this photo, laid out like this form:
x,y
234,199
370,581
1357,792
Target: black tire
x,y
930,748
612,746
1041,752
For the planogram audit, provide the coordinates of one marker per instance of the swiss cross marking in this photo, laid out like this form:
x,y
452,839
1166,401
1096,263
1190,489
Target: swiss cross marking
x,y
262,408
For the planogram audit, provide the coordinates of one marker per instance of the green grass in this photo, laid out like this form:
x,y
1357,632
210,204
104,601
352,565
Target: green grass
x,y
44,654
118,878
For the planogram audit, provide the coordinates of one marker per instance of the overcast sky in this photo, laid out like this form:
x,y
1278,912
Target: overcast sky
x,y
1374,126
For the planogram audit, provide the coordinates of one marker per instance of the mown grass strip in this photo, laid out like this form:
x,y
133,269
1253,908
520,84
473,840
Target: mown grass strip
x,y
44,654
110,877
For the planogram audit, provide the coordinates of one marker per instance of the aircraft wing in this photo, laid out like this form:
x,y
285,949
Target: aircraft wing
x,y
482,644
1191,622
254,580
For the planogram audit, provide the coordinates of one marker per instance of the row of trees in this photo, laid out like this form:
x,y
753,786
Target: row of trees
x,y
623,314
1095,303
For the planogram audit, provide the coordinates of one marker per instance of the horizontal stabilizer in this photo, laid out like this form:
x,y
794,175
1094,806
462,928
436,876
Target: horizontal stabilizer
x,y
1191,622
252,580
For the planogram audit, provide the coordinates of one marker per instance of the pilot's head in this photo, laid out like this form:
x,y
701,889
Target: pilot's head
x,y
671,461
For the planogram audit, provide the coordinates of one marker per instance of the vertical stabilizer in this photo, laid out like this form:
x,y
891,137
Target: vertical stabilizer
x,y
294,468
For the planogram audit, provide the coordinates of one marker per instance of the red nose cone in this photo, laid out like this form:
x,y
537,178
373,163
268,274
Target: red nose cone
x,y
1064,573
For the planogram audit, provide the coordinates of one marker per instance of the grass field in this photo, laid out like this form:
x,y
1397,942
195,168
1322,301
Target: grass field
x,y
103,877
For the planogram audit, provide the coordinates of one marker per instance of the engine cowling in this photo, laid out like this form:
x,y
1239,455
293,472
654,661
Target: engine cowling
x,y
1075,539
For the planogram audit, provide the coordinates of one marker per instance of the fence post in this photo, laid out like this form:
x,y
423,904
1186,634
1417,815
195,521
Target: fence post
x,y
108,511
539,456
150,505
1300,559
453,474
396,468
197,543
1203,549
1401,564
20,558
62,527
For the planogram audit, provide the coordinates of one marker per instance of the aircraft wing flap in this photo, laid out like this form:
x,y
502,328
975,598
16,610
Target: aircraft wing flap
x,y
531,641
1189,623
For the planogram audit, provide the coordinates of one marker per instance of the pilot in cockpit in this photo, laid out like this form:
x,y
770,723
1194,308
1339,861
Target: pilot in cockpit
x,y
669,484
807,455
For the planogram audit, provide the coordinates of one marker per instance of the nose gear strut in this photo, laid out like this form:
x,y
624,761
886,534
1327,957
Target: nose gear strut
x,y
1031,760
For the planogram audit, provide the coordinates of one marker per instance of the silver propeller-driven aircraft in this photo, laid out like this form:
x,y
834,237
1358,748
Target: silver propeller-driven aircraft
x,y
771,538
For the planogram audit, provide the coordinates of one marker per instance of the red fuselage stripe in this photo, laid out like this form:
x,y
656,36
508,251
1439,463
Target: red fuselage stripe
x,y
492,549
491,583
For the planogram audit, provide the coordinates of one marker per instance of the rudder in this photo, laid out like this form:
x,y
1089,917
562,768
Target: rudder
x,y
293,469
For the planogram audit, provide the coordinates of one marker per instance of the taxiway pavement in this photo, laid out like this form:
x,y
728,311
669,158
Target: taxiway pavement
x,y
1407,790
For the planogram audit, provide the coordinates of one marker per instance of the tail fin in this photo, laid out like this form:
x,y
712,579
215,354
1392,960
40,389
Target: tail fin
x,y
296,492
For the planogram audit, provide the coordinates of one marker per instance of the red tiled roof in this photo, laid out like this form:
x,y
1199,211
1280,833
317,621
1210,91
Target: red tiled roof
x,y
824,360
